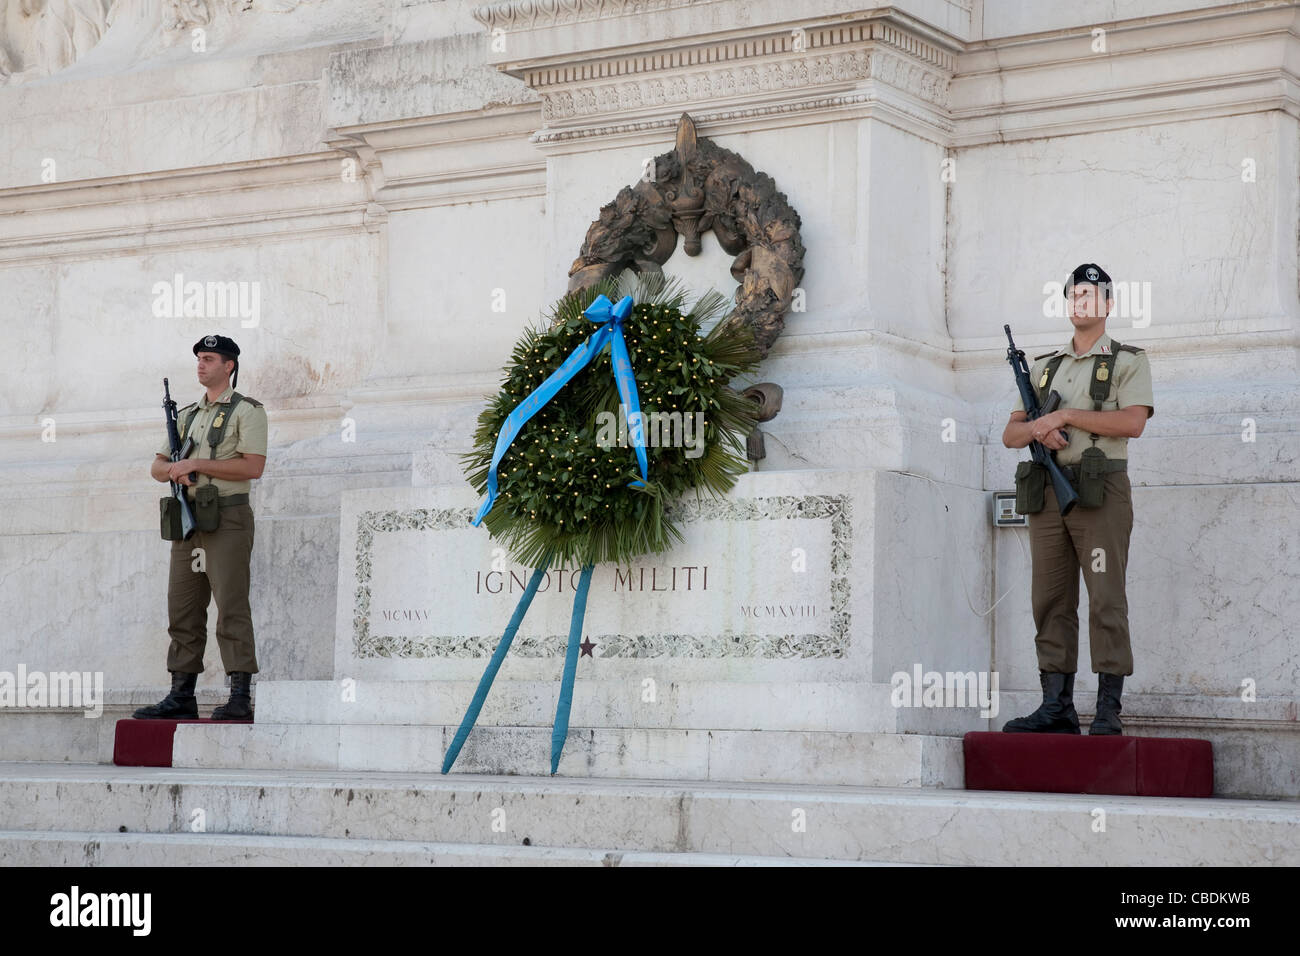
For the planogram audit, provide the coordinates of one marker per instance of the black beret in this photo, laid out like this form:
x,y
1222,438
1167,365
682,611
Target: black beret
x,y
219,344
1088,272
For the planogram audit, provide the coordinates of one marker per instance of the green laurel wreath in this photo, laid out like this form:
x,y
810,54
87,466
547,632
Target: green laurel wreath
x,y
564,498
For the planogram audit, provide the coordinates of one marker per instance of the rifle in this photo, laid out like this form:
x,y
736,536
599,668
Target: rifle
x,y
1066,496
179,453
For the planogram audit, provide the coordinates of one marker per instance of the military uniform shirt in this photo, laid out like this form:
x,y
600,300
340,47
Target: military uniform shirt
x,y
1130,385
245,435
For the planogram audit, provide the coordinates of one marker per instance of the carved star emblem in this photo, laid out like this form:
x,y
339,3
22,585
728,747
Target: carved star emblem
x,y
587,648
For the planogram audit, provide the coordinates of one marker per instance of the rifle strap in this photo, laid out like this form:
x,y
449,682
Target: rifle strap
x,y
1099,386
189,420
218,429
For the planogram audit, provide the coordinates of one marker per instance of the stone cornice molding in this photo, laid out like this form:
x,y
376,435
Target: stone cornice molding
x,y
751,118
416,163
207,206
600,74
1194,64
751,50
795,73
810,68
398,165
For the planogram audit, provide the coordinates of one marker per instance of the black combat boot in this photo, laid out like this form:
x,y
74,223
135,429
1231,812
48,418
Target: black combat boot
x,y
180,704
1109,688
240,705
1055,715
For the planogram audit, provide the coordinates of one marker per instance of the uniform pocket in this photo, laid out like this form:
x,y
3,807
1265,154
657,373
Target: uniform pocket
x,y
1031,480
169,513
1119,488
237,518
1092,478
207,516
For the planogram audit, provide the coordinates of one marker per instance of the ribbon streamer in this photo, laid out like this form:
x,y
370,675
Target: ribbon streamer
x,y
610,319
489,675
560,730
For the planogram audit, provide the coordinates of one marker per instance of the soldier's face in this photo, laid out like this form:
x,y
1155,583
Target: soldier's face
x,y
213,368
1087,304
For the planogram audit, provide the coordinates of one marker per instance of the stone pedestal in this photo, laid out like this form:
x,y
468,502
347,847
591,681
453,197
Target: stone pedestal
x,y
765,647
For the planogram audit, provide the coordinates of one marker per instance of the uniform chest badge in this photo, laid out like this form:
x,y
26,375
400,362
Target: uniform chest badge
x,y
1103,373
1042,382
219,420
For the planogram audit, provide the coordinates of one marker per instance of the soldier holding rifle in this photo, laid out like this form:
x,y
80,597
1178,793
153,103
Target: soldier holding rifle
x,y
227,434
1105,399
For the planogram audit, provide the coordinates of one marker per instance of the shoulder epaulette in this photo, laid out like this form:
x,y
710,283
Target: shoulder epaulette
x,y
1130,348
236,397
1043,356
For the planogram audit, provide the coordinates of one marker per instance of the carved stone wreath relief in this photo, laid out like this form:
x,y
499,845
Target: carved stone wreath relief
x,y
698,186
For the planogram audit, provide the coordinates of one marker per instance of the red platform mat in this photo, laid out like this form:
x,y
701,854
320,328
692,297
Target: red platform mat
x,y
1065,763
148,743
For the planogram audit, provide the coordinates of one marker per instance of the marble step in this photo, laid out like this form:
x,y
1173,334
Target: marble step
x,y
765,820
64,848
637,702
809,757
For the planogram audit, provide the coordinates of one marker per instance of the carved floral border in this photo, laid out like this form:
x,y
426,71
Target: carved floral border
x,y
832,643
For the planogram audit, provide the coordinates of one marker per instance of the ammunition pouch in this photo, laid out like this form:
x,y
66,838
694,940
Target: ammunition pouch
x,y
1089,476
1031,484
170,518
207,514
1091,485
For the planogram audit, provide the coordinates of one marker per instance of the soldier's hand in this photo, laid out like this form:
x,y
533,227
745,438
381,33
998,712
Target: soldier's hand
x,y
1055,440
1050,430
180,471
1050,422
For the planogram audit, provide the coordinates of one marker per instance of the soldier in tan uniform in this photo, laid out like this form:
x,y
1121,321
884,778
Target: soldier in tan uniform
x,y
1106,399
229,431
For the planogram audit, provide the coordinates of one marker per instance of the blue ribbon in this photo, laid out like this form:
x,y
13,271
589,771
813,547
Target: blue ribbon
x,y
494,665
560,729
610,319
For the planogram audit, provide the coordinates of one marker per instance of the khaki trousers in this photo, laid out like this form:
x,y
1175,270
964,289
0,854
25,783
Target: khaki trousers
x,y
222,573
1094,540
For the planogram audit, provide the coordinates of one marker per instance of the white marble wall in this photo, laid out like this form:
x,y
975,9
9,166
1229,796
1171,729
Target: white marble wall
x,y
1164,205
382,169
